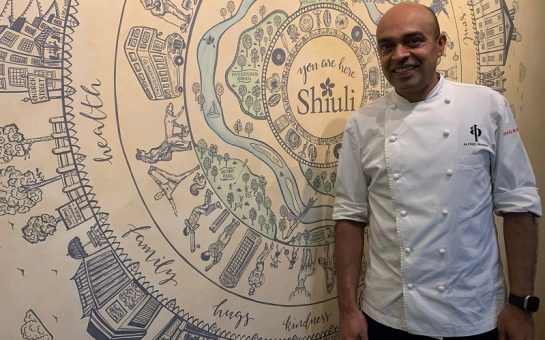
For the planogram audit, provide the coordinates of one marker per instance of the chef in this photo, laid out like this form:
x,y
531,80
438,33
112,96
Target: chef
x,y
425,168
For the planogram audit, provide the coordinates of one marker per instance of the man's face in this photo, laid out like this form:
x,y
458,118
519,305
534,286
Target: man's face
x,y
408,48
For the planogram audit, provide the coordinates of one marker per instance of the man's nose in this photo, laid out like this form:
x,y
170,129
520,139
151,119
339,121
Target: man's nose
x,y
400,51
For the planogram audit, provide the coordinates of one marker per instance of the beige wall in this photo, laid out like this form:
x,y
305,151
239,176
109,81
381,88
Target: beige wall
x,y
531,122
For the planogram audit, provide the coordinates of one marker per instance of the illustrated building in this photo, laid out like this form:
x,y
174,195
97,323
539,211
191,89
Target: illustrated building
x,y
495,30
31,56
118,307
156,62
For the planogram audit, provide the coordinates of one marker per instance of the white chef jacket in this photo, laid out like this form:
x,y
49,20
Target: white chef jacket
x,y
426,177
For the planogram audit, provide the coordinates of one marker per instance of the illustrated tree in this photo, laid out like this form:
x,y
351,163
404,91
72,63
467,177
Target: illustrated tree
x,y
317,182
38,228
254,57
245,177
230,7
207,164
327,186
201,101
21,191
226,158
261,220
249,127
237,127
214,172
241,61
242,91
213,151
256,91
277,20
262,11
272,219
259,200
219,158
223,12
219,91
252,214
312,152
247,42
333,177
262,51
283,211
255,20
257,107
267,203
308,174
230,199
249,101
258,35
323,175
270,31
254,186
196,89
14,144
202,146
262,183
282,225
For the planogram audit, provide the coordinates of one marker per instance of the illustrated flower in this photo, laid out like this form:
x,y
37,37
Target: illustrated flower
x,y
273,83
327,88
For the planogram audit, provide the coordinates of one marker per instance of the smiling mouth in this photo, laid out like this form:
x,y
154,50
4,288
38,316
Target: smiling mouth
x,y
404,69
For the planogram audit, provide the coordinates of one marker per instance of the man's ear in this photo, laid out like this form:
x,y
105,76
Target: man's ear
x,y
442,42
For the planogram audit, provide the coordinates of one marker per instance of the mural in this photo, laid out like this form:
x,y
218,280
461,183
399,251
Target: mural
x,y
168,167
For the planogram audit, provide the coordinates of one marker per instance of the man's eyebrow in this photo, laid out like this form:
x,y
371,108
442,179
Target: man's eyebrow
x,y
409,35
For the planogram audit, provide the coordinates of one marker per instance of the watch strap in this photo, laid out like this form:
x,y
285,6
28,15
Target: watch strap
x,y
526,303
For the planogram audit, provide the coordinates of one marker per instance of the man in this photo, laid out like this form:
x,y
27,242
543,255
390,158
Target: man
x,y
425,168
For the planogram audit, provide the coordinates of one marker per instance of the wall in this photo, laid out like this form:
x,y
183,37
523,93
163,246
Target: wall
x,y
168,170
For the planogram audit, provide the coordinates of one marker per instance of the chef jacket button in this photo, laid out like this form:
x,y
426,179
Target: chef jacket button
x,y
444,212
442,251
446,133
449,172
397,176
447,101
410,286
403,213
393,107
408,250
441,288
393,139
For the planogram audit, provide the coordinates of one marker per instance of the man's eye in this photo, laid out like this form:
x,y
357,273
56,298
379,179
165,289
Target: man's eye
x,y
385,47
414,42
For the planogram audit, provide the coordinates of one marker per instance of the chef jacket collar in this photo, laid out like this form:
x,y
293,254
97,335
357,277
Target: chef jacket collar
x,y
434,93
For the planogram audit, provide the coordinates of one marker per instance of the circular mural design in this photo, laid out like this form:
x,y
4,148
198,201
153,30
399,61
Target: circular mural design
x,y
195,186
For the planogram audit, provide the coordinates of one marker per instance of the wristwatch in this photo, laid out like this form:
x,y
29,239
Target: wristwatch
x,y
527,303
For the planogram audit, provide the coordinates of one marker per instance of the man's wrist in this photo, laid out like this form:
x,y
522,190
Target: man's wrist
x,y
527,303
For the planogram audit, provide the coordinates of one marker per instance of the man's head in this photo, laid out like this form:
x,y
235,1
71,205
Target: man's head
x,y
409,45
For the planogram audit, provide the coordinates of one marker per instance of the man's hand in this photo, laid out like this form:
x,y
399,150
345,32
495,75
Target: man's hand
x,y
353,326
515,324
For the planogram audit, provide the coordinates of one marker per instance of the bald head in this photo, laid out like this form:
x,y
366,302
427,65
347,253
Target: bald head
x,y
406,8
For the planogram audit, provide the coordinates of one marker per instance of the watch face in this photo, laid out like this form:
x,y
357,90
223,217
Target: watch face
x,y
532,304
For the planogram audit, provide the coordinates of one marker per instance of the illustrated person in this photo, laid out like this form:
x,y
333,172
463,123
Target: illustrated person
x,y
176,139
425,168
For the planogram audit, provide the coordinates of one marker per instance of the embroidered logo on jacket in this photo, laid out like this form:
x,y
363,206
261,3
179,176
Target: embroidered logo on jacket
x,y
476,132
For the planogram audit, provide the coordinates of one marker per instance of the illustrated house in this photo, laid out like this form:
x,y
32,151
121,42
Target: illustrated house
x,y
118,306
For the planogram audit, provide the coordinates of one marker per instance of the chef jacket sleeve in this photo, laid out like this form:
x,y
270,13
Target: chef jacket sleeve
x,y
514,185
351,191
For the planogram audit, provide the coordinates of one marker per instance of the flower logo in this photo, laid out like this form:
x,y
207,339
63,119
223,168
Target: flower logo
x,y
327,88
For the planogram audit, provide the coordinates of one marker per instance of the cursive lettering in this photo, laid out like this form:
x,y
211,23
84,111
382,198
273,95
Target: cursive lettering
x,y
94,104
159,262
240,317
291,323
